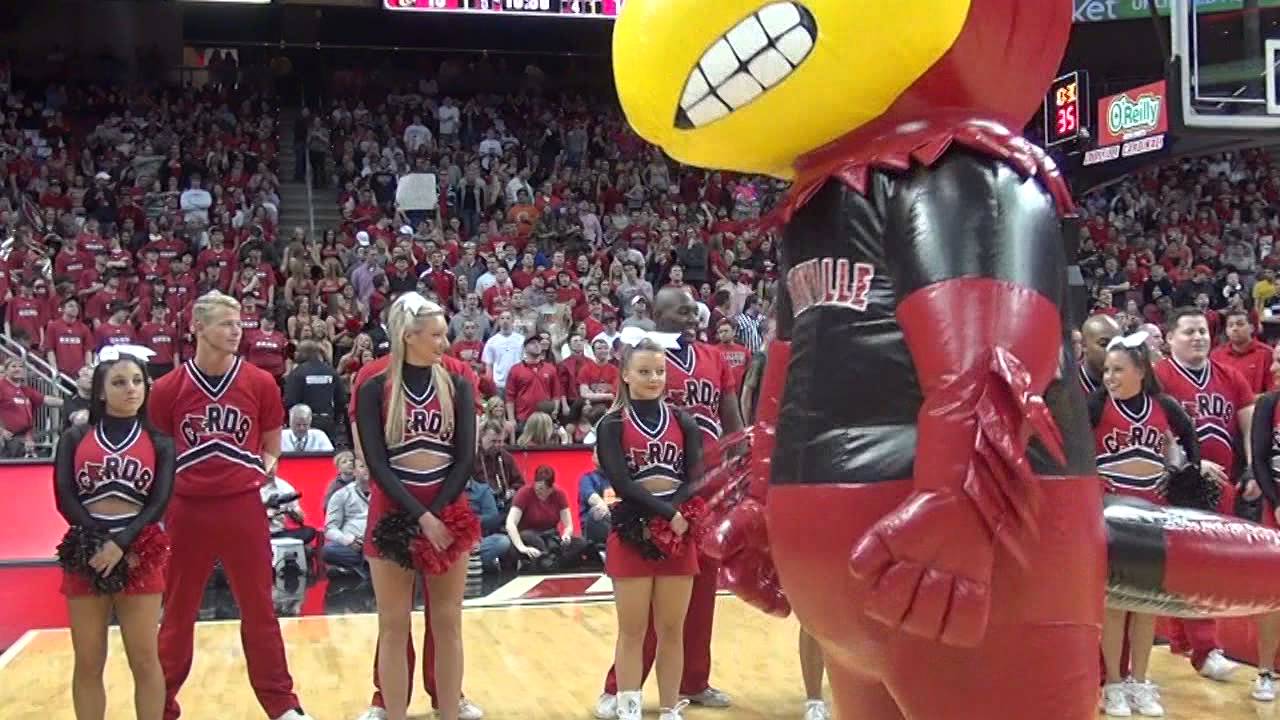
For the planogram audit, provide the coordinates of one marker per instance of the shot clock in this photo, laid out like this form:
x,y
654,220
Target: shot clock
x,y
1064,108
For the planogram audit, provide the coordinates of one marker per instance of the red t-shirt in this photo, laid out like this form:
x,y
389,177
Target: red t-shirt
x,y
69,342
599,377
29,315
537,514
266,350
111,334
528,385
736,357
162,338
1254,364
18,405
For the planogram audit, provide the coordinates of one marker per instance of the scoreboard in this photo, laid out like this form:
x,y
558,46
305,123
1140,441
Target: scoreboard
x,y
1065,108
597,9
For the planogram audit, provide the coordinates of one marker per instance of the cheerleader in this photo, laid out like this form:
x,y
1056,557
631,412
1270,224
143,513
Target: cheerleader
x,y
650,453
113,478
417,429
1133,422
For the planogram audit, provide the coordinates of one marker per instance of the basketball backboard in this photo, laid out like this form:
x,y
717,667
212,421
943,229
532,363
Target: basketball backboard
x,y
1223,73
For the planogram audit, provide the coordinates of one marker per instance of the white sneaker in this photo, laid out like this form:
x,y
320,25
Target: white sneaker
x,y
607,707
1217,666
711,698
294,714
1114,702
467,710
1264,687
373,713
630,704
673,713
1144,697
816,710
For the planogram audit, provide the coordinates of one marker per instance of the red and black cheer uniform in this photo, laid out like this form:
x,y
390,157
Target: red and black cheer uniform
x,y
1132,440
396,486
649,439
1088,383
116,458
697,377
1266,453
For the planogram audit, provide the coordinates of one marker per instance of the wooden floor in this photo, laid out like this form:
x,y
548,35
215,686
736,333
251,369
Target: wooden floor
x,y
523,662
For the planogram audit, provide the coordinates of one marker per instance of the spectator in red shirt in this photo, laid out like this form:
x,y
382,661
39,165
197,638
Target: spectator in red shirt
x,y
18,406
266,347
71,261
1250,357
569,367
68,343
469,347
27,313
530,383
161,336
540,524
597,380
117,330
735,355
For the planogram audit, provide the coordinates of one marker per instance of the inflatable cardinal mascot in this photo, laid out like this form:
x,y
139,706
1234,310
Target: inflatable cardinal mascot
x,y
932,509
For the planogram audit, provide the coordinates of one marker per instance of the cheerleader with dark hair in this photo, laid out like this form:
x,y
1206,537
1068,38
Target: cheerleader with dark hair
x,y
113,478
1133,424
651,453
417,429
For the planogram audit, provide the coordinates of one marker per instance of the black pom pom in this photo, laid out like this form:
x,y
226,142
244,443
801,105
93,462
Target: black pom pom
x,y
632,526
78,547
393,535
1189,489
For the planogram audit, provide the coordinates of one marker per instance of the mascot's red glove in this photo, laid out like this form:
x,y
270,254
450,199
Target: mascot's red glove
x,y
983,349
737,489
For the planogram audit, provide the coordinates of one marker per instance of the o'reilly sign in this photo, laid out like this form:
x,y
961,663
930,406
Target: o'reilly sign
x,y
1138,113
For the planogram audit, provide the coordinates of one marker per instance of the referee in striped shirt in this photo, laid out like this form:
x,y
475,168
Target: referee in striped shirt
x,y
748,325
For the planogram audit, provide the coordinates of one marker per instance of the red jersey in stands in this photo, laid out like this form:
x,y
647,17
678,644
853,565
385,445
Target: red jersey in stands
x,y
18,405
442,280
528,385
217,424
452,364
72,264
95,308
162,338
108,333
1132,446
1253,363
68,342
568,370
697,375
468,351
27,314
1211,396
266,350
498,298
736,357
653,451
598,377
124,471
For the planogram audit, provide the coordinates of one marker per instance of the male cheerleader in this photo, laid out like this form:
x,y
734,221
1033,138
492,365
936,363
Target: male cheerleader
x,y
700,382
225,416
1220,402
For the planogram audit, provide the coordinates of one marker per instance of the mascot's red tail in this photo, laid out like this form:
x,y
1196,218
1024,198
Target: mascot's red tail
x,y
1187,563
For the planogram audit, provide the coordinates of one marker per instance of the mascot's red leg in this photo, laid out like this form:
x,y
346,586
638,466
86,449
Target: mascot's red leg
x,y
1037,620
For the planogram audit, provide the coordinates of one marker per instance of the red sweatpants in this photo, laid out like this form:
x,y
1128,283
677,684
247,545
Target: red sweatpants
x,y
232,529
428,663
1200,635
697,634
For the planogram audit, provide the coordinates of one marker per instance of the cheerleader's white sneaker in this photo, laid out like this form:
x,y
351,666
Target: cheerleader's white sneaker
x,y
673,712
606,707
629,705
816,710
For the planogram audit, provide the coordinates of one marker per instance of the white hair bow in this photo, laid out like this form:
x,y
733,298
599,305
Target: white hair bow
x,y
632,335
111,353
1137,339
414,303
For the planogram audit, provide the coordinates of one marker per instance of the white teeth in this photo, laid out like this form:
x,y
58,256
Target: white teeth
x,y
747,39
707,111
795,45
695,90
719,62
757,53
768,67
779,18
739,90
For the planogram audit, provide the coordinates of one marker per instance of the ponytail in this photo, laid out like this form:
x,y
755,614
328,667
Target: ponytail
x,y
409,310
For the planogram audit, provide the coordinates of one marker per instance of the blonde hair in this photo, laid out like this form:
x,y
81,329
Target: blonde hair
x,y
405,314
538,430
623,399
205,305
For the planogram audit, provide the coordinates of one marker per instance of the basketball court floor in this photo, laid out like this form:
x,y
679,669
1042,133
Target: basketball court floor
x,y
537,648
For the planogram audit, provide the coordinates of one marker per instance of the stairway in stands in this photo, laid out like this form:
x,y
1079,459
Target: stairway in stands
x,y
297,207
